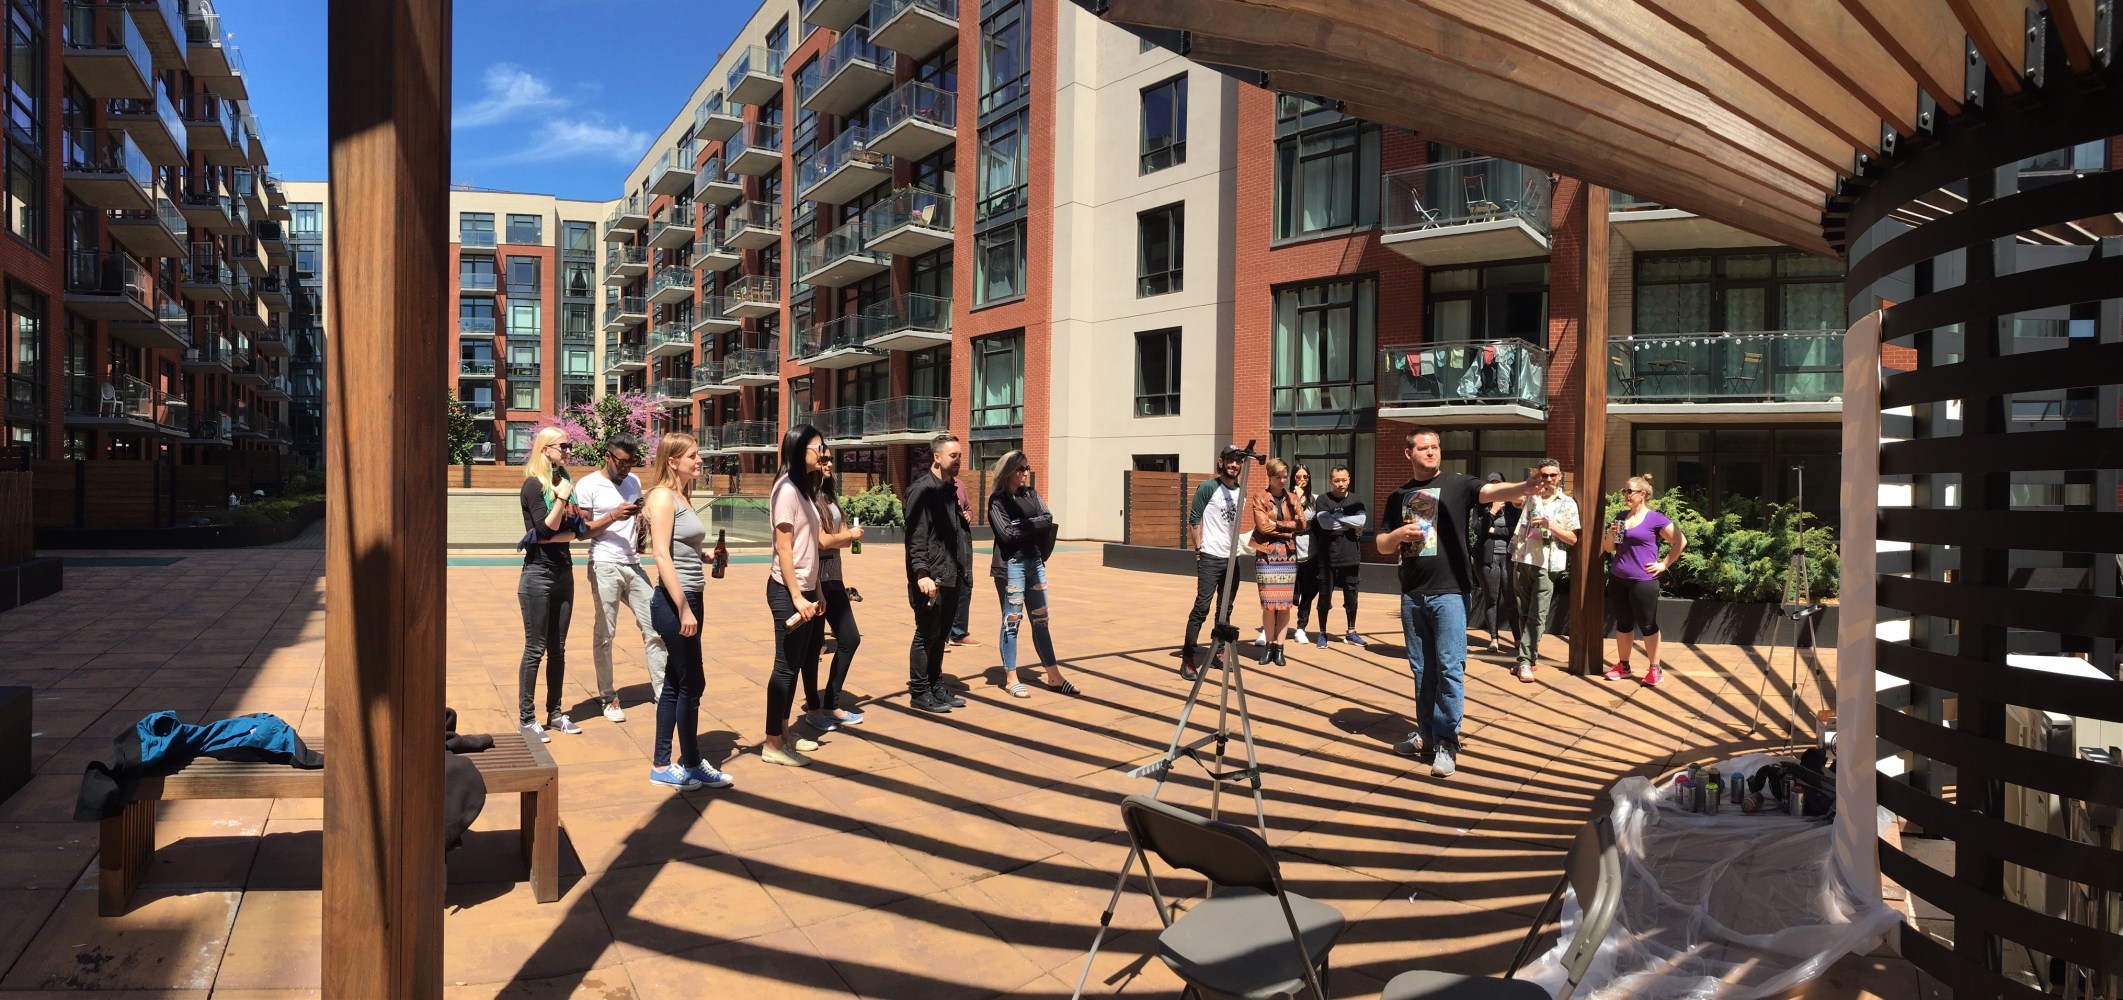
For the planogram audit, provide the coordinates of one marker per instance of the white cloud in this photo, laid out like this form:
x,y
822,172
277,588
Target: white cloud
x,y
511,92
580,138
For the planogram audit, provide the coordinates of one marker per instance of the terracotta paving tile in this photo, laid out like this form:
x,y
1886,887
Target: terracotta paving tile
x,y
783,964
685,905
935,946
496,932
636,833
45,855
828,877
165,942
277,943
596,984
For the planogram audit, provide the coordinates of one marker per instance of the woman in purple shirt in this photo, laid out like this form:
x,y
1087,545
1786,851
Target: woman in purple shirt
x,y
1633,583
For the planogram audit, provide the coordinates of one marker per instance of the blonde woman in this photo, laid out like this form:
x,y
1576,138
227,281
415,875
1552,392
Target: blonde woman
x,y
676,536
1633,582
546,590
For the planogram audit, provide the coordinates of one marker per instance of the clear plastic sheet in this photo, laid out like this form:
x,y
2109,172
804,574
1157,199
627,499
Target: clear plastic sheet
x,y
1729,906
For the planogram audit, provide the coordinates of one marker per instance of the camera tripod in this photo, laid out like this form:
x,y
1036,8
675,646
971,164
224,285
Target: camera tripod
x,y
1797,606
1223,655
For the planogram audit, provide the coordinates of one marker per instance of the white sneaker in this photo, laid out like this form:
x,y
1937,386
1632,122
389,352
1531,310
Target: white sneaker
x,y
1260,638
534,731
613,712
1299,636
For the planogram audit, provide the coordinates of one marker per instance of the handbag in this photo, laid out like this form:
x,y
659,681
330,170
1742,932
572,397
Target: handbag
x,y
1047,537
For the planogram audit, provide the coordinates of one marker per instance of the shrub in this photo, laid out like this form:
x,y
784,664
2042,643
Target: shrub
x,y
1744,554
877,505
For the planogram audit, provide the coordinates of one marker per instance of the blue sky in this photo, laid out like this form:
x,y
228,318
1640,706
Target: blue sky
x,y
551,96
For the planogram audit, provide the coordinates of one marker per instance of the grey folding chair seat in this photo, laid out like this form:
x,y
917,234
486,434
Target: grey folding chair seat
x,y
1252,939
1595,871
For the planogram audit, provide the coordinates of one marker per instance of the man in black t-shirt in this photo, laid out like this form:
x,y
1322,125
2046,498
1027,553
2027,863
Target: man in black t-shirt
x,y
1425,524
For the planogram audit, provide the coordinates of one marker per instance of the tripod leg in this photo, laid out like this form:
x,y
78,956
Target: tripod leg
x,y
1253,769
1105,920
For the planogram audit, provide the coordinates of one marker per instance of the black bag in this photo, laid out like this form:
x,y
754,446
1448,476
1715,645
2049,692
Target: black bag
x,y
1047,537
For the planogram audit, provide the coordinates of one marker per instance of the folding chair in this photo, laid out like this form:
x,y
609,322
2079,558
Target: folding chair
x,y
1477,190
1252,939
1424,217
1742,380
1596,873
1627,378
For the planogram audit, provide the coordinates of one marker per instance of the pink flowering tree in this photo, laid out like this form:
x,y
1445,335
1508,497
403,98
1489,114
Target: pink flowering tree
x,y
590,425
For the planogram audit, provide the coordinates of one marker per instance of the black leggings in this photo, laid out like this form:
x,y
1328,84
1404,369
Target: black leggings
x,y
1635,605
840,614
546,595
795,652
1311,579
678,704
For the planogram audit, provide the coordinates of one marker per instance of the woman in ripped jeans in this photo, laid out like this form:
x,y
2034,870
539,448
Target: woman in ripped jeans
x,y
1022,523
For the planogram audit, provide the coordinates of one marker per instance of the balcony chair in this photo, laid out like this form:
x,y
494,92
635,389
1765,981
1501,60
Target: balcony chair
x,y
1627,378
107,401
1252,938
1744,379
1424,217
1595,872
1476,187
1528,199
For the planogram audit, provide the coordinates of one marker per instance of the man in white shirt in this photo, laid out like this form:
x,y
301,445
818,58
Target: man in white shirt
x,y
1540,555
610,498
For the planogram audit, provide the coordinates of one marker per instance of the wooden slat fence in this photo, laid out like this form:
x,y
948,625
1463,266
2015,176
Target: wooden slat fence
x,y
1155,512
93,494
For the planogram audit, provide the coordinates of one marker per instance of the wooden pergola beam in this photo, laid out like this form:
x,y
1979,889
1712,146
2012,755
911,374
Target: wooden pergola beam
x,y
384,454
1926,45
1588,598
1735,35
1840,46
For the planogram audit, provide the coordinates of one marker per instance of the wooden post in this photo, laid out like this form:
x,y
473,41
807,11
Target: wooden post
x,y
1588,609
384,454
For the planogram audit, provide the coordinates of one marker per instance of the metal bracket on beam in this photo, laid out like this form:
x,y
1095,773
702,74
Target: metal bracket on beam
x,y
1888,138
1927,113
2037,50
1975,75
2104,30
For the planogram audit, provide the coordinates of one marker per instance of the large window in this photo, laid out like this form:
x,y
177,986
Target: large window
x,y
1736,292
472,272
1326,347
1713,464
999,264
524,320
1160,250
526,229
523,276
475,316
1157,373
999,381
25,191
578,239
476,228
1498,302
929,373
1004,167
864,383
519,441
1005,57
24,367
523,395
1507,452
1326,179
309,219
1165,124
1319,453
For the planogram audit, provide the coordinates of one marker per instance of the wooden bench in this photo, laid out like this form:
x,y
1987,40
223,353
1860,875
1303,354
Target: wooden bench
x,y
513,765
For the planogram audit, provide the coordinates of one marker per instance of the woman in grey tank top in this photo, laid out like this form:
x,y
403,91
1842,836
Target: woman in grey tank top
x,y
676,536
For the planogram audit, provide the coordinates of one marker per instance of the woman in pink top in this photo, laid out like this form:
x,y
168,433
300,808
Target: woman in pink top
x,y
792,588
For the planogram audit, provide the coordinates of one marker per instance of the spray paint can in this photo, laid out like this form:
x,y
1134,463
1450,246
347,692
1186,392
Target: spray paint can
x,y
1713,793
1738,784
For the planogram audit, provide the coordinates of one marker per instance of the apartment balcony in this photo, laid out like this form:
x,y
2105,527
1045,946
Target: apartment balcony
x,y
630,216
843,170
1650,226
206,211
840,425
243,367
248,189
106,169
271,344
625,263
207,50
109,59
211,352
206,274
842,342
623,311
751,366
755,151
670,339
208,130
478,284
673,227
707,380
672,393
847,75
161,25
905,419
524,371
274,241
914,121
247,254
159,231
254,144
107,286
1466,211
910,322
479,369
713,255
834,15
117,405
156,126
754,296
713,316
672,285
714,121
169,329
272,291
755,78
1762,376
480,241
673,173
209,429
575,336
248,314
916,28
910,222
620,358
752,226
840,258
715,187
756,436
1481,383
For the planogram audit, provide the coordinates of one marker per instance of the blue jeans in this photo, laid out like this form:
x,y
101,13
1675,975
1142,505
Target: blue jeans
x,y
1435,629
1025,592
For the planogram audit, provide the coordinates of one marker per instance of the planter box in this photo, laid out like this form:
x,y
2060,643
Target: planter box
x,y
1726,623
218,536
30,580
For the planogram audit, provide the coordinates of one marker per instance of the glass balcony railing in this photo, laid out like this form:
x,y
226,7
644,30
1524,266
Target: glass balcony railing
x,y
623,258
108,153
625,305
758,216
476,239
475,367
668,391
676,162
670,278
751,361
755,288
1477,371
706,375
912,206
1776,366
624,355
475,326
678,216
82,36
205,267
753,63
478,281
845,244
162,111
842,333
671,334
627,216
710,172
748,434
710,106
912,312
1461,192
841,423
850,148
852,50
760,137
915,101
121,398
97,272
906,415
883,11
527,370
1623,201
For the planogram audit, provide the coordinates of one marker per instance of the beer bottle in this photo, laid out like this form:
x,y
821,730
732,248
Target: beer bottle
x,y
722,553
856,549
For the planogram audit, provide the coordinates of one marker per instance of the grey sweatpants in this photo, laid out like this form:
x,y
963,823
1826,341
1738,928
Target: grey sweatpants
x,y
615,583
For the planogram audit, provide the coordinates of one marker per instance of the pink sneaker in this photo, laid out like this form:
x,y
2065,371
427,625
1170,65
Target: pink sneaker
x,y
1653,676
1618,672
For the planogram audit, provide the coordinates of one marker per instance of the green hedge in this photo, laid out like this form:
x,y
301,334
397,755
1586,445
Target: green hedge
x,y
275,511
1744,554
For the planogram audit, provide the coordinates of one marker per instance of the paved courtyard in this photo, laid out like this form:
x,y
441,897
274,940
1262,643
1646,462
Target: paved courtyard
x,y
938,857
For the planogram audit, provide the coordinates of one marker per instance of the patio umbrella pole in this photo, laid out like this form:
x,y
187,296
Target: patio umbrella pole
x,y
1223,649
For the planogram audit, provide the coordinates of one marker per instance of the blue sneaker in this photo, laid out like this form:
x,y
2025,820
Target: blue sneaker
x,y
706,776
850,717
1319,639
1357,640
674,776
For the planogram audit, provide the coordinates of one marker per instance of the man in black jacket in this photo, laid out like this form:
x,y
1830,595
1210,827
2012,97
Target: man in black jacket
x,y
939,564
